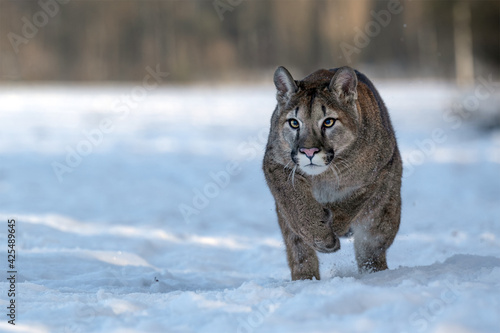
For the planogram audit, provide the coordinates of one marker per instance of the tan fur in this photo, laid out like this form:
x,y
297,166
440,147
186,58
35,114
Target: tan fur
x,y
352,182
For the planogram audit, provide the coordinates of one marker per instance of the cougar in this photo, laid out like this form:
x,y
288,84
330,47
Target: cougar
x,y
333,166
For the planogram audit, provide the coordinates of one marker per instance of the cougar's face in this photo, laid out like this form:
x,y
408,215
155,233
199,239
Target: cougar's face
x,y
316,132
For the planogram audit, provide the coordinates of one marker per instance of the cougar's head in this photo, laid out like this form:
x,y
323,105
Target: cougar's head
x,y
316,117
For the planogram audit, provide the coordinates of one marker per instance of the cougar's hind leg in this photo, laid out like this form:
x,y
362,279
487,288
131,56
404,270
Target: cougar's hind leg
x,y
373,238
370,258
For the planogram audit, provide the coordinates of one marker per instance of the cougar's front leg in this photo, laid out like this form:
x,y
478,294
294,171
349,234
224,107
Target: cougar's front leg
x,y
302,258
299,210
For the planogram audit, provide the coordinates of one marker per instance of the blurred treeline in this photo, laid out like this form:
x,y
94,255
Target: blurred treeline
x,y
92,40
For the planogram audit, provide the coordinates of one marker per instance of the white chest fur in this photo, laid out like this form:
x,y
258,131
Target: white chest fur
x,y
327,192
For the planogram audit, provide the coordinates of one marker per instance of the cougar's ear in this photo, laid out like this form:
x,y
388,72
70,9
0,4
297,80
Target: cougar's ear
x,y
285,83
343,85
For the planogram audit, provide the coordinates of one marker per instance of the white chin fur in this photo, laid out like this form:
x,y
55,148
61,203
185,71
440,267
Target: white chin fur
x,y
317,167
313,170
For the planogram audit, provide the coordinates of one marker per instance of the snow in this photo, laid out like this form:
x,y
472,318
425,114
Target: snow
x,y
106,248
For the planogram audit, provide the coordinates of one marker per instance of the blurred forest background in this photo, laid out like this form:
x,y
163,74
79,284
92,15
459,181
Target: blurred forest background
x,y
243,40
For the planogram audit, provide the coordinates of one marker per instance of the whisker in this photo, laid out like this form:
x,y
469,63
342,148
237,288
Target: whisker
x,y
343,162
293,176
339,173
344,165
340,159
287,164
290,174
335,174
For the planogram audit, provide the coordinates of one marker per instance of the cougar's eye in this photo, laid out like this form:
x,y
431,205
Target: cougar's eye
x,y
294,123
329,122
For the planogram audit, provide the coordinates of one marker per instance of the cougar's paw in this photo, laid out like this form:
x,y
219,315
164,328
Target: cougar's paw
x,y
329,244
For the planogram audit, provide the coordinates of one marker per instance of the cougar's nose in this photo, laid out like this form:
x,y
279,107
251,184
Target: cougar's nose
x,y
309,152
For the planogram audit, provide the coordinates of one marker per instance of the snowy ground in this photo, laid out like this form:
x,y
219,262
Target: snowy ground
x,y
105,247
